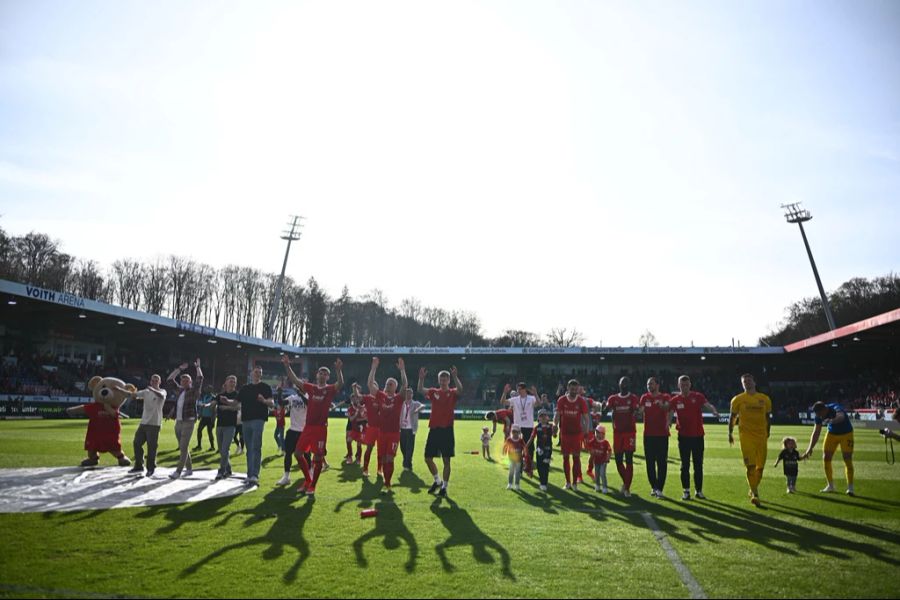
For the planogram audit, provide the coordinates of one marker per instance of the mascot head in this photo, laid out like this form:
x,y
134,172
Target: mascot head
x,y
109,390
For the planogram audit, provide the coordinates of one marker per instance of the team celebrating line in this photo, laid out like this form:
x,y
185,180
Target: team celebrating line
x,y
385,421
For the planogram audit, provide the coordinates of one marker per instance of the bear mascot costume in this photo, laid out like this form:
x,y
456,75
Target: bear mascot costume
x,y
104,428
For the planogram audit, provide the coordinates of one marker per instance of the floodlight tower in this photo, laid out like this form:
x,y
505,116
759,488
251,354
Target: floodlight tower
x,y
291,235
795,214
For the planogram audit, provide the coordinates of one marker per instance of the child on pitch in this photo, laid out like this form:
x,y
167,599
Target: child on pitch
x,y
600,450
485,443
791,458
543,435
515,450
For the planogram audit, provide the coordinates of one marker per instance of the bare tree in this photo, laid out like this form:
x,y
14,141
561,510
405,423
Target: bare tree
x,y
155,288
561,337
647,340
128,276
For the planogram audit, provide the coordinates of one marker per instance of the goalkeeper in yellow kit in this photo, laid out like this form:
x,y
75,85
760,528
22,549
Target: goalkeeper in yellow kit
x,y
752,411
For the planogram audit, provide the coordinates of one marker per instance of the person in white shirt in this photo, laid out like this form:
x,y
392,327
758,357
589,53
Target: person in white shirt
x,y
147,432
409,425
522,404
297,406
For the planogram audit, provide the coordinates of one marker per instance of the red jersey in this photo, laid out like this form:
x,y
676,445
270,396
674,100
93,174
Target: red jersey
x,y
442,406
515,449
372,406
656,414
354,414
318,404
623,408
502,415
570,413
389,408
278,413
689,413
599,449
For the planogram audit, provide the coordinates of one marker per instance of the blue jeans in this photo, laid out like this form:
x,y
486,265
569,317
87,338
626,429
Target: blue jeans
x,y
279,437
253,440
223,437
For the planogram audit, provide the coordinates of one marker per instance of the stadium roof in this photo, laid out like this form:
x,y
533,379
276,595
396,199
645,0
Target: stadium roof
x,y
880,329
56,300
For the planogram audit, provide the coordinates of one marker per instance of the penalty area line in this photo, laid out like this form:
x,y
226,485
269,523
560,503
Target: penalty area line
x,y
686,577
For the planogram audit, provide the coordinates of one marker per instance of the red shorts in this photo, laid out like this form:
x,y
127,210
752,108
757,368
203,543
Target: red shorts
x,y
370,437
570,443
388,442
624,442
313,439
355,435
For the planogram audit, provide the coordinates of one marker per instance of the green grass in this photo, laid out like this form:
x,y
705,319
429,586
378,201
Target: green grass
x,y
486,542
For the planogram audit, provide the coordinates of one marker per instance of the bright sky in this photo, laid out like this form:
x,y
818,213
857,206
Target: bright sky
x,y
613,166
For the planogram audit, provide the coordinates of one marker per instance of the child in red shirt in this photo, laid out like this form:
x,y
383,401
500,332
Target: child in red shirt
x,y
600,450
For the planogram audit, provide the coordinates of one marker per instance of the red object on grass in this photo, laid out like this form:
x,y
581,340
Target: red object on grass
x,y
369,512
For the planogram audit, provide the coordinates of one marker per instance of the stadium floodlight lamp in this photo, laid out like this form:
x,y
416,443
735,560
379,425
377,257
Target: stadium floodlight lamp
x,y
290,235
856,338
794,213
834,344
11,301
238,346
180,335
213,341
702,358
153,330
120,322
82,316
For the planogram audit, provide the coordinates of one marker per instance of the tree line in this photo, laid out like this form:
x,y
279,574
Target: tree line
x,y
853,301
239,299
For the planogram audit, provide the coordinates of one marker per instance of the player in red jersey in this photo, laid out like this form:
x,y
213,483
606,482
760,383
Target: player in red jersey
x,y
688,406
572,421
596,413
599,449
656,408
502,416
441,441
390,407
625,407
314,438
370,437
355,425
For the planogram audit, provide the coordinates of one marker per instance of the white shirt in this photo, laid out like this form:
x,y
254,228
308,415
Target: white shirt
x,y
409,415
298,412
523,411
179,406
153,407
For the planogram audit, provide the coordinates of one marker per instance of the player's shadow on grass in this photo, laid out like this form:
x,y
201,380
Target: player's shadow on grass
x,y
709,521
410,480
464,532
367,493
179,515
349,473
286,531
390,526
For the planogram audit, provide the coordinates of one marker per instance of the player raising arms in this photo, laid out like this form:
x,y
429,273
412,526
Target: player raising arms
x,y
572,421
441,441
390,406
356,423
625,407
370,436
752,410
315,434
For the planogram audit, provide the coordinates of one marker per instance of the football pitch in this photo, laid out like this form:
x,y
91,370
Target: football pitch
x,y
482,541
